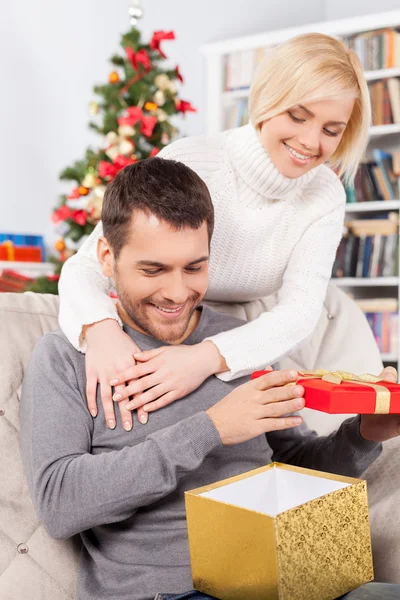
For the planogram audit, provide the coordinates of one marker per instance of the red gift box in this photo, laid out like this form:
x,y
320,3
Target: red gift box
x,y
345,393
20,253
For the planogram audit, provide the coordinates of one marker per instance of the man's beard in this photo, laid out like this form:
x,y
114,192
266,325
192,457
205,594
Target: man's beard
x,y
169,331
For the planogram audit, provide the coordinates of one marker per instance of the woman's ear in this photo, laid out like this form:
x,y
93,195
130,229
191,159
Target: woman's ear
x,y
106,257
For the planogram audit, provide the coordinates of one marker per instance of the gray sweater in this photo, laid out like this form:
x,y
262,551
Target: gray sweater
x,y
124,491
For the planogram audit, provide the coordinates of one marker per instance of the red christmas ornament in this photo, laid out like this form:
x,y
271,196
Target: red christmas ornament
x,y
61,214
80,217
74,195
158,37
136,58
109,170
148,124
155,151
178,73
184,107
134,114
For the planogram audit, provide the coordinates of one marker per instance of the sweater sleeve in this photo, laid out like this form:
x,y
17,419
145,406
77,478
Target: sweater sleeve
x,y
344,452
290,323
84,292
74,490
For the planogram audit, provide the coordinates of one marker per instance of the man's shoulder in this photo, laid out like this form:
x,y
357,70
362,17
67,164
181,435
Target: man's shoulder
x,y
217,322
54,344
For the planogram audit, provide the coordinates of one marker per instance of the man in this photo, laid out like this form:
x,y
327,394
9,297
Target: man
x,y
124,491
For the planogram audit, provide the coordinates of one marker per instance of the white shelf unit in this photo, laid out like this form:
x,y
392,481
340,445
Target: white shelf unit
x,y
218,101
29,269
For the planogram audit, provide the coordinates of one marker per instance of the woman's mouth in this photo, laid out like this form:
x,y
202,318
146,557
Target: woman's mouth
x,y
297,157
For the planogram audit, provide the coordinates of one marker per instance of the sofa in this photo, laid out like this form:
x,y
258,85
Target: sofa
x,y
34,566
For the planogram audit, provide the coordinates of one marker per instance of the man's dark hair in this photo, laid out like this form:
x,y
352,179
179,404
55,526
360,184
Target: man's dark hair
x,y
165,188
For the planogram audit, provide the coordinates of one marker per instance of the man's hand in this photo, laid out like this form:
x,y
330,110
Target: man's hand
x,y
380,428
257,407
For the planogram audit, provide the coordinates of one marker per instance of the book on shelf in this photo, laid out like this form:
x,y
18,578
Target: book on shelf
x,y
377,49
382,316
240,67
238,114
369,248
385,101
377,179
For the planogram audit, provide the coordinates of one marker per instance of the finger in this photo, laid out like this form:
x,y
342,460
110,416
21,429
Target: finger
x,y
279,424
148,354
142,416
91,392
137,387
389,374
133,373
274,379
108,404
281,409
149,396
161,402
119,390
282,394
126,416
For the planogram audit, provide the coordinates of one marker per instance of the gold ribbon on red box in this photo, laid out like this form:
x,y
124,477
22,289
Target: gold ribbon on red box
x,y
382,405
9,246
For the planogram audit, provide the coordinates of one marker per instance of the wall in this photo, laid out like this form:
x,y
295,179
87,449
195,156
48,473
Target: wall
x,y
54,52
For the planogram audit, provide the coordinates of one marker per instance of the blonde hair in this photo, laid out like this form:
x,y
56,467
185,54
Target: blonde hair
x,y
308,68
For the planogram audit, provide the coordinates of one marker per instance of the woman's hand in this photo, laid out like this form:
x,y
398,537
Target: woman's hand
x,y
168,373
109,350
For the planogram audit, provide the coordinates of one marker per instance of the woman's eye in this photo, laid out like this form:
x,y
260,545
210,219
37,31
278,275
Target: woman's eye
x,y
331,133
294,118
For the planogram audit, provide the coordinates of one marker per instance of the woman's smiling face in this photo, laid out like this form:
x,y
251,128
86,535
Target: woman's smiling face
x,y
306,136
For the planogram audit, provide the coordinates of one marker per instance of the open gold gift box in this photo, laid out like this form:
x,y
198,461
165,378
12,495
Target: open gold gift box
x,y
279,533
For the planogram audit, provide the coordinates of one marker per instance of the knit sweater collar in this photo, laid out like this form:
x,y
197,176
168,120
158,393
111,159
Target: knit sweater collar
x,y
257,170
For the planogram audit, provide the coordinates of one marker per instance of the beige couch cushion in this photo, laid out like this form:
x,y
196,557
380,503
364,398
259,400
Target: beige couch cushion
x,y
34,566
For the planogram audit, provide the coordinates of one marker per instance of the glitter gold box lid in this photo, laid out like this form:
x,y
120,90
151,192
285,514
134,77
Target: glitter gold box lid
x,y
279,533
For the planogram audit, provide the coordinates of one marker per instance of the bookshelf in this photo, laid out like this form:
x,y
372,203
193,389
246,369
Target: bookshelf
x,y
220,102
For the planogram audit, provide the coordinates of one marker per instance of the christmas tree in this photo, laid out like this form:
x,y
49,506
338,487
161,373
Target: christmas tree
x,y
132,114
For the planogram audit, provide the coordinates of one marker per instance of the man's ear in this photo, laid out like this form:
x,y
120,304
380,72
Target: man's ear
x,y
105,256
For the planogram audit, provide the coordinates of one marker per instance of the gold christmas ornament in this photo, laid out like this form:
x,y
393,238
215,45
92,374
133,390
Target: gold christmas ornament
x,y
126,131
59,245
83,190
159,98
161,115
150,106
113,77
94,108
89,181
162,81
118,145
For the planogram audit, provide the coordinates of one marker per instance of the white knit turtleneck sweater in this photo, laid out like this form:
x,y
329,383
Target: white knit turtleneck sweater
x,y
273,235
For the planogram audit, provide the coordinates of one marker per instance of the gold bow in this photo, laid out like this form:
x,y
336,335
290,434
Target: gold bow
x,y
382,406
9,246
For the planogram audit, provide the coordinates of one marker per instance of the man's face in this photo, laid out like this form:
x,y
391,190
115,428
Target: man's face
x,y
161,275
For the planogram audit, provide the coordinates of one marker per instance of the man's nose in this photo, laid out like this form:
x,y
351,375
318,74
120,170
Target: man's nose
x,y
175,289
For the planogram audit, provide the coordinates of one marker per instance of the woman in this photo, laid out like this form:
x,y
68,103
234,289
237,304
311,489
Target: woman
x,y
279,212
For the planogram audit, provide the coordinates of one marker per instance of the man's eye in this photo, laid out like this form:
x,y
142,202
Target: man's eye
x,y
193,269
152,271
295,119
